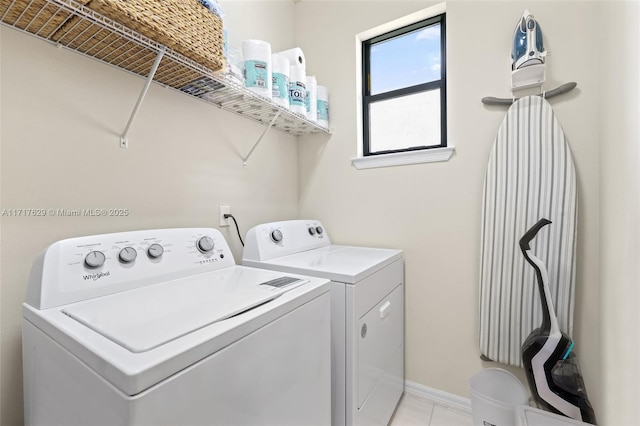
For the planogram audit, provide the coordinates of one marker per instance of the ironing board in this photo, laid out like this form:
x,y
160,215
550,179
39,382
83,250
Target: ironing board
x,y
530,175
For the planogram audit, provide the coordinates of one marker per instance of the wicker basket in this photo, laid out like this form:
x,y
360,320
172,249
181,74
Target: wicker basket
x,y
182,25
38,16
93,40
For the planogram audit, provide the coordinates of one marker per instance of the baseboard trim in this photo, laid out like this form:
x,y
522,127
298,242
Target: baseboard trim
x,y
438,396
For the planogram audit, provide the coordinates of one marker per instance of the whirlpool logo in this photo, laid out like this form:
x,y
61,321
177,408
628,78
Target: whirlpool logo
x,y
97,276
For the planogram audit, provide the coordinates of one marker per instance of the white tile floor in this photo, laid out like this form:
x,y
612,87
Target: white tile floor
x,y
415,411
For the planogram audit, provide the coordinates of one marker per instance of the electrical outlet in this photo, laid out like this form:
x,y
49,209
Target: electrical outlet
x,y
224,210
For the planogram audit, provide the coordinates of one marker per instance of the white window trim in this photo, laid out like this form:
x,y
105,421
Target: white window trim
x,y
398,158
403,158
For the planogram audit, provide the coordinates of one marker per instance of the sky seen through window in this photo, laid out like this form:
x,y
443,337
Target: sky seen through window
x,y
406,60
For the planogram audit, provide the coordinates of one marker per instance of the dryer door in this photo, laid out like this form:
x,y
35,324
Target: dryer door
x,y
380,336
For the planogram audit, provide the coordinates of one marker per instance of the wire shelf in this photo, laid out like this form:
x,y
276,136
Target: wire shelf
x,y
74,26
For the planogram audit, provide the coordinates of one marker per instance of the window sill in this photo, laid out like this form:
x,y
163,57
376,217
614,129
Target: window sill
x,y
403,158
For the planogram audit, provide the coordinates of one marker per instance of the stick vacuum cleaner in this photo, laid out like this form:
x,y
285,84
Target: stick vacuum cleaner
x,y
551,365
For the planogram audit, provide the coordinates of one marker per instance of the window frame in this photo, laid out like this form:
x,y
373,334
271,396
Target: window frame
x,y
441,84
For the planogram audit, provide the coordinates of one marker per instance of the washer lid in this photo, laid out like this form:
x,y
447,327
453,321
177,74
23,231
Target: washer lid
x,y
145,318
345,264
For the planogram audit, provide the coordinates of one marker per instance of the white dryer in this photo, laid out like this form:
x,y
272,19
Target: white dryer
x,y
367,312
161,327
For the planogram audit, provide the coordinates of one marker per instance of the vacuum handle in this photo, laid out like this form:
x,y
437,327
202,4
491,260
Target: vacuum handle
x,y
531,234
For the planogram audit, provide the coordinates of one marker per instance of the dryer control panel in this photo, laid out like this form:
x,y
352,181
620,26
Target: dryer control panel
x,y
276,239
86,267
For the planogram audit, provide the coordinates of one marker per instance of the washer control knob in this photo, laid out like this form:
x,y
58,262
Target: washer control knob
x,y
127,255
319,230
205,244
155,251
94,259
276,235
312,230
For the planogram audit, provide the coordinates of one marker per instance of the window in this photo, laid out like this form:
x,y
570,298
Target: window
x,y
403,90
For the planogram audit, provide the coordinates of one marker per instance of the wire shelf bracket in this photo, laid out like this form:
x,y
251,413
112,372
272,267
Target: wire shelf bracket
x,y
124,142
273,120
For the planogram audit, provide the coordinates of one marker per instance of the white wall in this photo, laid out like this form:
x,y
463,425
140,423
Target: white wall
x,y
432,211
62,115
620,210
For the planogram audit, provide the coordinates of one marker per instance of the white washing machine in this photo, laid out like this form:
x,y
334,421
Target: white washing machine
x,y
162,328
367,312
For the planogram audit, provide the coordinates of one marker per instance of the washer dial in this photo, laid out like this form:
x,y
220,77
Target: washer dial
x,y
312,230
155,251
205,244
94,259
319,230
276,235
127,255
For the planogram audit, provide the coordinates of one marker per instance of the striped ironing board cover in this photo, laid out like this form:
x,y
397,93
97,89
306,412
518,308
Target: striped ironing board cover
x,y
530,175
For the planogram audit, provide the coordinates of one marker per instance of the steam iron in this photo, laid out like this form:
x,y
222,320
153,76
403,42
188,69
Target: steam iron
x,y
551,365
527,54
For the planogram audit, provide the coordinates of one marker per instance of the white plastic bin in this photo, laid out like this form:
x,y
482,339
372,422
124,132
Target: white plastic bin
x,y
530,416
495,393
